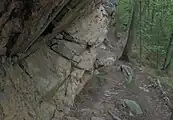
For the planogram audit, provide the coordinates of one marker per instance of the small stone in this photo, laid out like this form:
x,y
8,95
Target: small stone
x,y
59,37
133,107
97,118
96,72
105,58
86,111
144,89
109,93
66,110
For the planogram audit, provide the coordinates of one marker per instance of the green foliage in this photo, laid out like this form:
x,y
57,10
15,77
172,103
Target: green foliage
x,y
124,11
155,25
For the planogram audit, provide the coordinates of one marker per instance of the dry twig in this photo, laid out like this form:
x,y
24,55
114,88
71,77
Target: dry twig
x,y
114,116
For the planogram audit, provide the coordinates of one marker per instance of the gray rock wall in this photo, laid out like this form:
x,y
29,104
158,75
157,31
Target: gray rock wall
x,y
44,85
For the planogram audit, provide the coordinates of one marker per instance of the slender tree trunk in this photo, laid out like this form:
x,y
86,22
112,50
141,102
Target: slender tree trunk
x,y
169,55
140,32
148,4
152,19
131,35
157,54
129,18
169,62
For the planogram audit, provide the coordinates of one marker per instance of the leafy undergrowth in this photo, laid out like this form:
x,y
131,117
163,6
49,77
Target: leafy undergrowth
x,y
165,79
150,67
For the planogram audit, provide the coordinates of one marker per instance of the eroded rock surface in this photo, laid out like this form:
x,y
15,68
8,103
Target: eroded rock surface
x,y
44,85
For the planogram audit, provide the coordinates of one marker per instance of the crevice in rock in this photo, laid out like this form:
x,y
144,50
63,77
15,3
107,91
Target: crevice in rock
x,y
76,66
2,115
12,40
28,5
5,12
24,69
51,48
48,30
65,20
22,10
69,38
48,26
88,47
53,116
14,14
2,71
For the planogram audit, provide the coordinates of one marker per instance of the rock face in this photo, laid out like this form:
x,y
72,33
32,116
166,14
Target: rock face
x,y
44,85
110,6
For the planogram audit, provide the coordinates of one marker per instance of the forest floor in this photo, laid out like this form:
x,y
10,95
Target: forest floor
x,y
102,98
107,97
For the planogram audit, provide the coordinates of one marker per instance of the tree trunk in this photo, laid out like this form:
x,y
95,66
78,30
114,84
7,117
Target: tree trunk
x,y
152,19
140,32
131,36
169,54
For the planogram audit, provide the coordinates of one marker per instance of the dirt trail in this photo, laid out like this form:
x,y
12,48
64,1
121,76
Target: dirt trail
x,y
101,98
103,94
